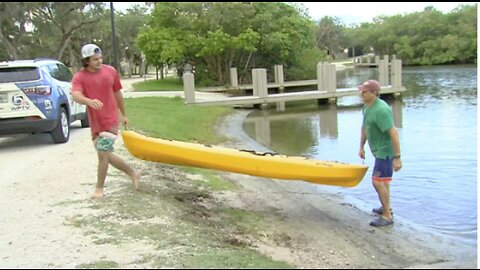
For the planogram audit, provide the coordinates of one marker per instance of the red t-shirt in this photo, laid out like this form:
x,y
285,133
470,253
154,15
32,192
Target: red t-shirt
x,y
100,85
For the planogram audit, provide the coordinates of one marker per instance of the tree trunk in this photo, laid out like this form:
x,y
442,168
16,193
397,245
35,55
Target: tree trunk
x,y
156,67
241,79
68,35
64,45
141,68
130,66
73,61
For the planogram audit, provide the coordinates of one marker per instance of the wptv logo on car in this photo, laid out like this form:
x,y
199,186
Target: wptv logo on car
x,y
20,103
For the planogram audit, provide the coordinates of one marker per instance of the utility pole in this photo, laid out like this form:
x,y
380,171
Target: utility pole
x,y
114,47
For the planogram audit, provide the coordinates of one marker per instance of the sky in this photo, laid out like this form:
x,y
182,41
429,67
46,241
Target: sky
x,y
355,12
358,12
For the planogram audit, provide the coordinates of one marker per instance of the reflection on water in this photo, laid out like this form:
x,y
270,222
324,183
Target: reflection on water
x,y
436,120
282,141
297,121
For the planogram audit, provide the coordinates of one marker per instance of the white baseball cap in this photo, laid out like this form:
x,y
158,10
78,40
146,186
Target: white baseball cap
x,y
90,50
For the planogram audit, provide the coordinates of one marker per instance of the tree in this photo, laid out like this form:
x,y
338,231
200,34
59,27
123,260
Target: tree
x,y
331,35
62,20
423,38
14,21
128,26
217,36
59,30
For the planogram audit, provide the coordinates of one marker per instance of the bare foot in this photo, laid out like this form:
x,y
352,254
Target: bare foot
x,y
98,193
135,180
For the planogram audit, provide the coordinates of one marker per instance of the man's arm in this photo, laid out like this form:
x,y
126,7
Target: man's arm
x,y
397,162
395,141
363,140
80,98
121,106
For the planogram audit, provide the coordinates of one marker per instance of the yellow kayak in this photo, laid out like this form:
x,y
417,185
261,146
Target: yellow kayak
x,y
268,165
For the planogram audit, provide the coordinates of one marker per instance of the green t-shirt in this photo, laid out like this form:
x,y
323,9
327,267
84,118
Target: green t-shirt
x,y
377,120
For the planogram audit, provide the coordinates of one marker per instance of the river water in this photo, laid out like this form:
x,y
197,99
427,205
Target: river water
x,y
437,122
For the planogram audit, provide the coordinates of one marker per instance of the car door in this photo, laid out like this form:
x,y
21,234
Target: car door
x,y
63,81
79,108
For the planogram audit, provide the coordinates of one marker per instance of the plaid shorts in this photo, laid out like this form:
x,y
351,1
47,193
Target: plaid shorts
x,y
105,141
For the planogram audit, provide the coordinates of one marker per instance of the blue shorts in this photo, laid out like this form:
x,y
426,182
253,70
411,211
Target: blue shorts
x,y
383,170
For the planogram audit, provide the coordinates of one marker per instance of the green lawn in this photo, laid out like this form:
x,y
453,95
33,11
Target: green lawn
x,y
170,118
167,84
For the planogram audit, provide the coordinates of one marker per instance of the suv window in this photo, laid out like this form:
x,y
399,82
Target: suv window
x,y
66,72
56,73
19,74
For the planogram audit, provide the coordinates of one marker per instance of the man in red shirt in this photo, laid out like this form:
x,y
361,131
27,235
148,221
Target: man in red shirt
x,y
98,86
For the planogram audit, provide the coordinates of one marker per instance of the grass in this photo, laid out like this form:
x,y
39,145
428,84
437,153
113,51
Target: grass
x,y
167,84
231,258
170,118
99,265
246,221
212,180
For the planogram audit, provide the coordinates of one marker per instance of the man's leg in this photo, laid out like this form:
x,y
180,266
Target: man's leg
x,y
382,175
101,173
122,166
383,190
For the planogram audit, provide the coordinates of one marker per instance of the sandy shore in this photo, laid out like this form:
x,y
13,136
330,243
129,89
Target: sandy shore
x,y
324,231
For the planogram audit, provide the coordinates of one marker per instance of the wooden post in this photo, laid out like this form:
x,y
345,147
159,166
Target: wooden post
x,y
331,81
331,78
259,76
397,74
262,83
233,77
369,60
387,69
279,74
279,78
320,85
377,59
255,82
382,72
189,87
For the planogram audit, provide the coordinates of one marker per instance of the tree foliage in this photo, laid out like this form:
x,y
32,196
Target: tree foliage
x,y
217,36
429,37
58,30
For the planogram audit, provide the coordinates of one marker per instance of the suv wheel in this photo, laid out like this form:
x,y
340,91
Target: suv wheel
x,y
61,133
85,122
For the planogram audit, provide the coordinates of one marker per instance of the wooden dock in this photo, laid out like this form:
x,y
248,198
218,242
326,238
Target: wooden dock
x,y
295,96
324,88
370,61
250,86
